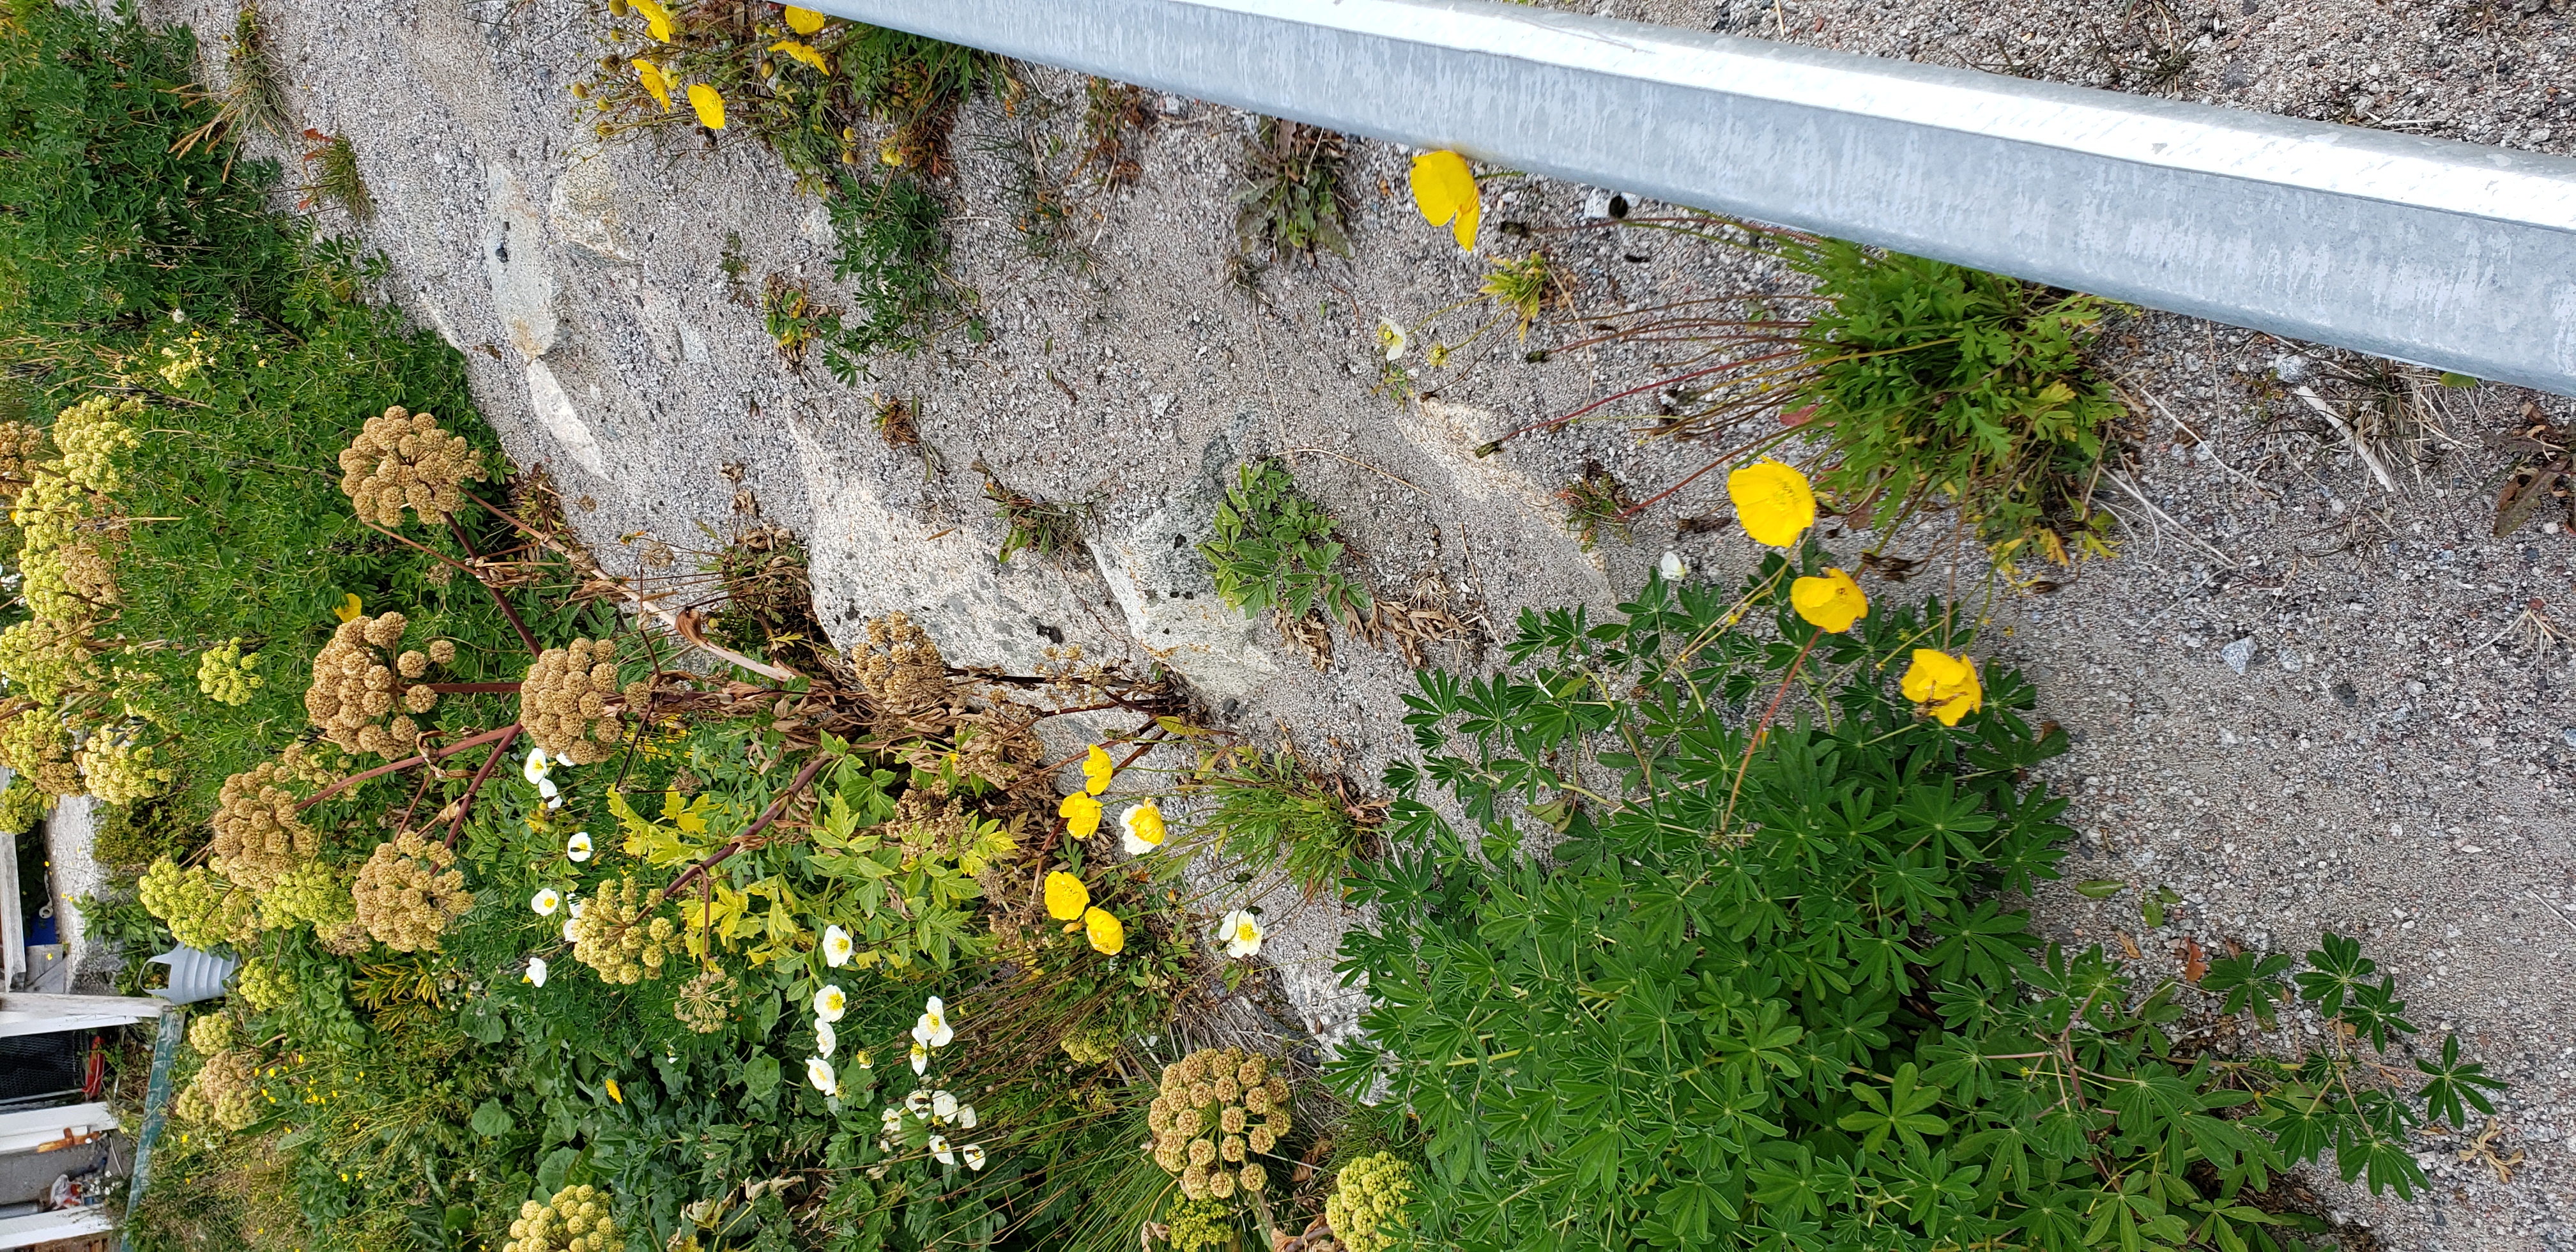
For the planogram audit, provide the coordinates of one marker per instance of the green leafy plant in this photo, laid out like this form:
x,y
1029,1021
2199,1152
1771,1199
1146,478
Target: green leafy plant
x,y
1291,199
332,167
1769,991
891,252
1594,503
254,90
1273,551
1273,808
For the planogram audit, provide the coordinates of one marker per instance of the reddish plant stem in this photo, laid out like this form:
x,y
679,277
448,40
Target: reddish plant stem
x,y
1764,725
465,803
495,592
424,758
776,807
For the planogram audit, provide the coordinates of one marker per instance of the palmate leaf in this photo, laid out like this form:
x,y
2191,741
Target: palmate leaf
x,y
1899,1111
2452,1082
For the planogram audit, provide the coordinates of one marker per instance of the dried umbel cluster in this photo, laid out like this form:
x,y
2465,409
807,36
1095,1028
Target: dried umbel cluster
x,y
225,1093
409,891
706,1002
564,700
614,936
258,836
355,690
1204,1122
1366,1209
899,665
403,460
21,446
575,1220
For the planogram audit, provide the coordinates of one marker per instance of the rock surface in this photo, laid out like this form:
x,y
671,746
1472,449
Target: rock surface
x,y
2394,759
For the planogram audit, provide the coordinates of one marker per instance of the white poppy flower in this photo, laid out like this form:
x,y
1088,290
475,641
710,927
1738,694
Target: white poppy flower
x,y
939,1151
920,1059
933,1028
1391,337
1241,933
819,1072
545,902
892,1117
825,1038
578,847
966,1116
829,1003
974,1154
943,1105
536,971
572,924
917,1104
1673,567
535,768
837,947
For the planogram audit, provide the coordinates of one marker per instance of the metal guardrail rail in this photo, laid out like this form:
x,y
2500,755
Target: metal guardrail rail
x,y
2442,253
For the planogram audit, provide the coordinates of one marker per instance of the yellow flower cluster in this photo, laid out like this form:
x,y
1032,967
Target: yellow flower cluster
x,y
706,1002
1367,1200
226,676
47,658
22,805
575,1220
37,745
409,891
91,435
120,771
899,665
201,910
614,936
317,895
354,690
1203,1121
402,459
1090,1044
258,836
264,985
564,701
1199,1224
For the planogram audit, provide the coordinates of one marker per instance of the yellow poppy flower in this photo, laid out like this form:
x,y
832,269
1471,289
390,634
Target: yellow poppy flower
x,y
709,105
1945,685
803,21
657,83
657,20
348,608
1832,602
802,52
1107,936
1143,828
1444,189
1081,814
1096,769
1773,502
1066,897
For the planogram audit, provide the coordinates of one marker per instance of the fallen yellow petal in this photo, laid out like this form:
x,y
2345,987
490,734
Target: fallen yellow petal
x,y
709,105
803,21
1444,189
802,52
348,609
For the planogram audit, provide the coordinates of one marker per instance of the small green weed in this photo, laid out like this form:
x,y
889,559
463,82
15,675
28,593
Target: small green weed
x,y
1273,808
1594,503
333,167
1274,553
1291,200
254,90
793,317
1048,528
894,257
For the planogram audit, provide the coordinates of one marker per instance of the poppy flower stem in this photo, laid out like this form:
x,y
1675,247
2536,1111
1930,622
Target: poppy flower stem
x,y
1764,725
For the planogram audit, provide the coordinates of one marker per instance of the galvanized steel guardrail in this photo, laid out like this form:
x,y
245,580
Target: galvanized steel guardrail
x,y
2441,253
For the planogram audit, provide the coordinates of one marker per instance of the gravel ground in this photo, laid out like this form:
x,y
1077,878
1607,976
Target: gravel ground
x,y
2299,699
